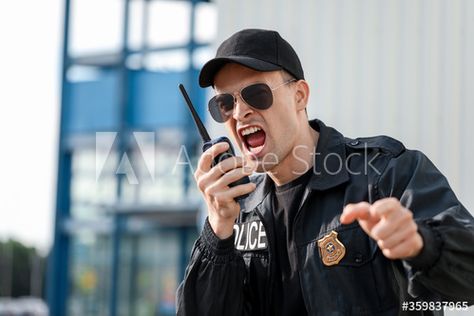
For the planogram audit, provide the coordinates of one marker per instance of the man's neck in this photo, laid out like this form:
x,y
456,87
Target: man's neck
x,y
298,161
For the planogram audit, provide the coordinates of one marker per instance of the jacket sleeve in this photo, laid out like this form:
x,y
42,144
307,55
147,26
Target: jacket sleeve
x,y
445,267
214,279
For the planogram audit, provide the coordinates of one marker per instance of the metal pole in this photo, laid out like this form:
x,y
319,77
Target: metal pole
x,y
122,150
58,260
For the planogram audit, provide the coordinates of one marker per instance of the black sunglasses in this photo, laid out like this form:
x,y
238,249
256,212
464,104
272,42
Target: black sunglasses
x,y
257,95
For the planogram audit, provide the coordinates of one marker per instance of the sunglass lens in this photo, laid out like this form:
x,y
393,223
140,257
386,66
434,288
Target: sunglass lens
x,y
221,107
258,95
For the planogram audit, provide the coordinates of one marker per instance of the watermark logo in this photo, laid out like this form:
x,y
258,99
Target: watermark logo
x,y
182,160
138,164
142,164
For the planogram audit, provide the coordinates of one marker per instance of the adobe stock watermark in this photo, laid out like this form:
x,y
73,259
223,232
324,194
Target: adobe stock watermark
x,y
305,158
333,162
139,165
135,165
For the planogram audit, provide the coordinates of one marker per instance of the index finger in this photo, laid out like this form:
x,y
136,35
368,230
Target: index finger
x,y
355,211
205,162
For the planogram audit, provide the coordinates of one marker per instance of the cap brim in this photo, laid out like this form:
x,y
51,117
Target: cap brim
x,y
210,69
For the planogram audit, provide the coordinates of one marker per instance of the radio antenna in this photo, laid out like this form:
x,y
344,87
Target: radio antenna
x,y
202,130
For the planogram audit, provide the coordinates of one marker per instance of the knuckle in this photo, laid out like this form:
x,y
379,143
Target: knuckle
x,y
216,169
362,204
381,244
393,200
224,213
205,157
408,216
209,191
218,198
213,172
197,175
387,253
200,184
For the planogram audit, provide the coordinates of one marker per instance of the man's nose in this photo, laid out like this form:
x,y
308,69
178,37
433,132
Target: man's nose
x,y
241,109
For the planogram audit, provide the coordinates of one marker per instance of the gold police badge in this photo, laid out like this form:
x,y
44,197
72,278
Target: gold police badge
x,y
331,249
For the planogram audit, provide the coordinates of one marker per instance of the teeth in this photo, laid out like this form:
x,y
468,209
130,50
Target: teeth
x,y
250,130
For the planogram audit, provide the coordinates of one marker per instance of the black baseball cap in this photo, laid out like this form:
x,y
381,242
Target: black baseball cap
x,y
261,50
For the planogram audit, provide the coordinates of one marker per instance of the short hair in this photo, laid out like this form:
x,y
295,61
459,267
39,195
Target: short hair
x,y
287,77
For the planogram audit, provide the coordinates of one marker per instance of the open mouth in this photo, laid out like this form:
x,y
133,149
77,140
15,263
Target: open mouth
x,y
253,138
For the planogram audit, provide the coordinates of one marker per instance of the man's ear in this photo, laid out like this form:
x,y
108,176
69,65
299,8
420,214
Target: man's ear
x,y
302,94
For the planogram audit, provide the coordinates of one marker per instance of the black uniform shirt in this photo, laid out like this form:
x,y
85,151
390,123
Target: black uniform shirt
x,y
288,299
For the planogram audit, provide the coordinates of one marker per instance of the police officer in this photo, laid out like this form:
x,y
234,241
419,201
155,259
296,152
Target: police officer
x,y
331,225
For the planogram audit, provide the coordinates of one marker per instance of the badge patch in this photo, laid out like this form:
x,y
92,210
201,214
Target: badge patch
x,y
250,236
331,249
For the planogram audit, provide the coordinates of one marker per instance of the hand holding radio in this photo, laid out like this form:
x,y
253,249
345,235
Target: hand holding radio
x,y
215,184
221,177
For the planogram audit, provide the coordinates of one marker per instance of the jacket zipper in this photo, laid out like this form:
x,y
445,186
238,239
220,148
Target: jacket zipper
x,y
302,204
270,256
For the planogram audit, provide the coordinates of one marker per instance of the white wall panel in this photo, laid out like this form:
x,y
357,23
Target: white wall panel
x,y
398,67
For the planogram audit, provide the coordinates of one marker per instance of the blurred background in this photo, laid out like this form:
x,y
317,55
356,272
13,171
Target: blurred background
x,y
98,208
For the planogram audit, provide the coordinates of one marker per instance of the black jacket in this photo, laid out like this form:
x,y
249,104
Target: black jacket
x,y
235,276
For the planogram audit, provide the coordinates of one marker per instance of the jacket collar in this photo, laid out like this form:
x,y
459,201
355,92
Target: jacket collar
x,y
329,168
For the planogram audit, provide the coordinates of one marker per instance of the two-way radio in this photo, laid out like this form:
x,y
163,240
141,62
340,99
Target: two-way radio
x,y
208,142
